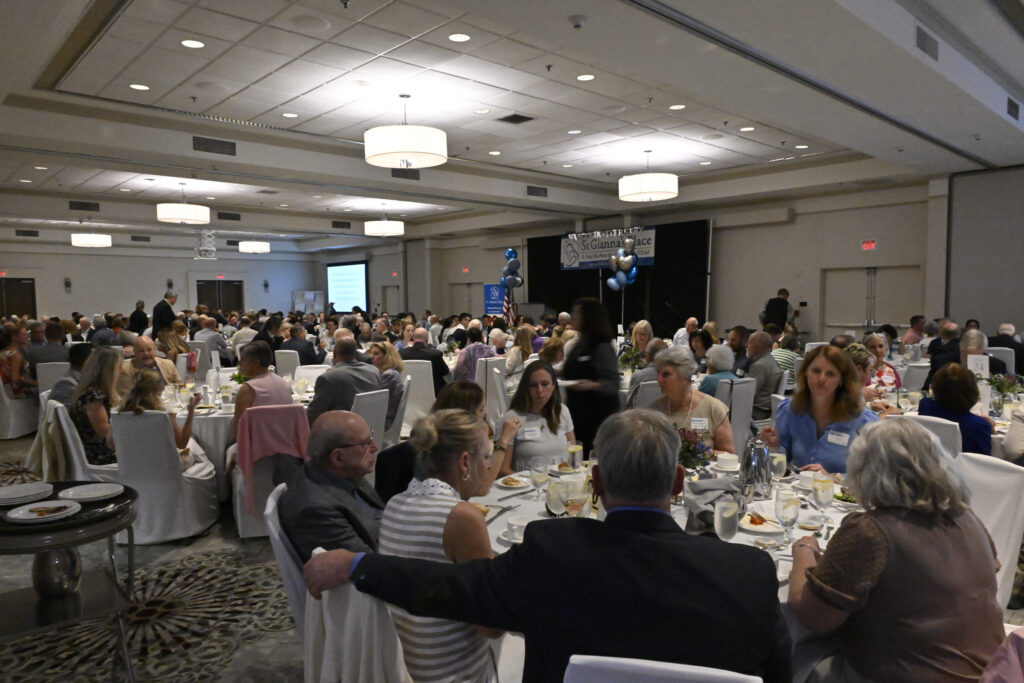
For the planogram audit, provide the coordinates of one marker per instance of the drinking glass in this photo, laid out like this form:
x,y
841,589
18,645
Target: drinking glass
x,y
575,456
727,518
538,476
915,398
778,459
574,497
787,510
824,489
554,502
680,513
300,385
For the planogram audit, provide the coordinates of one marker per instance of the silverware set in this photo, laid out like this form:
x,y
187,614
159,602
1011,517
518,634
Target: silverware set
x,y
502,509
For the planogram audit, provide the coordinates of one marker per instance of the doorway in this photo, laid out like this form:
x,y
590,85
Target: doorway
x,y
18,296
390,299
858,299
223,295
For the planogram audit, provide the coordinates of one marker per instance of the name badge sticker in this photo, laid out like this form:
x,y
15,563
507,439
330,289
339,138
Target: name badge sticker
x,y
699,423
838,438
530,434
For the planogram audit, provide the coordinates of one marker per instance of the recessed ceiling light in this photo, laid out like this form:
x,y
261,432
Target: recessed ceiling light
x,y
194,44
494,153
458,37
290,115
481,111
316,196
211,198
42,168
348,210
138,86
24,180
800,146
585,77
566,165
705,163
283,206
746,129
575,131
125,189
676,107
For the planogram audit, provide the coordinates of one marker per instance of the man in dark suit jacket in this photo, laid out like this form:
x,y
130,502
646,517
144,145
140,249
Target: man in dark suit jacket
x,y
138,321
971,343
420,351
308,355
328,502
337,388
634,585
163,314
1005,340
269,333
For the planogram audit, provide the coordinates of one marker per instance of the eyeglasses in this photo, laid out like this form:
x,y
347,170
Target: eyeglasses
x,y
364,444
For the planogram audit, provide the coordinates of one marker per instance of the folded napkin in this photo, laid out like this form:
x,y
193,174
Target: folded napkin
x,y
699,499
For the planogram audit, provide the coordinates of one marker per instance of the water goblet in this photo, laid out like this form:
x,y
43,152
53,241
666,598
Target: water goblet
x,y
824,490
787,511
727,517
538,476
574,497
778,460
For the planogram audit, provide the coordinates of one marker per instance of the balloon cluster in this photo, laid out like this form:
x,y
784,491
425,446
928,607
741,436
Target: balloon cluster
x,y
624,266
510,273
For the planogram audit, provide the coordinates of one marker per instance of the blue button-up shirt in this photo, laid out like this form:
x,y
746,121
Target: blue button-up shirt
x,y
798,435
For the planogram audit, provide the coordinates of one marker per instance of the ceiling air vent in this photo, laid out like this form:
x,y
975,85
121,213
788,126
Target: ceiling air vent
x,y
84,206
516,118
407,173
27,233
1013,109
232,243
140,238
213,146
927,44
535,191
341,225
228,216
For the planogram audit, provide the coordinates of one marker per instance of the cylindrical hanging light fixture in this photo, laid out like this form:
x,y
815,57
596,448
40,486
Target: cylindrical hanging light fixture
x,y
183,212
254,247
405,146
648,187
383,227
90,240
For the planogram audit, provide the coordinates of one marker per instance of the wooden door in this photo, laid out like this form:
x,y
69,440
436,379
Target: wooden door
x,y
18,296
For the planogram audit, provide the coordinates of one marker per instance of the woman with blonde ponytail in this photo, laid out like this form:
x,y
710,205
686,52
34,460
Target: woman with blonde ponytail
x,y
431,520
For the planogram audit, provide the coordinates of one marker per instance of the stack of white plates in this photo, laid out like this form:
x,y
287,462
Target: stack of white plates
x,y
25,493
86,493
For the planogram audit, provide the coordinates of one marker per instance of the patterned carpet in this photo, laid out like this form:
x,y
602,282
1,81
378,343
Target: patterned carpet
x,y
190,617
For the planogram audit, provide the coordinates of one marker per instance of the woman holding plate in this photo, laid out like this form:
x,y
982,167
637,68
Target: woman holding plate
x,y
546,425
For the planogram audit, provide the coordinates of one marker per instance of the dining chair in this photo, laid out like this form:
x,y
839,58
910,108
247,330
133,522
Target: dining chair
x,y
372,406
594,669
288,561
286,362
394,433
421,398
47,374
78,466
310,372
486,379
172,504
500,395
44,396
783,384
777,400
914,376
797,362
18,416
947,431
813,345
995,487
202,352
1004,354
646,393
738,395
181,365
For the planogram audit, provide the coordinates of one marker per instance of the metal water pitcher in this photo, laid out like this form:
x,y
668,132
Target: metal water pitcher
x,y
756,470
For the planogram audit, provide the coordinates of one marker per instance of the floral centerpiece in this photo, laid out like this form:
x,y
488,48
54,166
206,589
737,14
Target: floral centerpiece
x,y
693,452
1002,386
631,358
238,377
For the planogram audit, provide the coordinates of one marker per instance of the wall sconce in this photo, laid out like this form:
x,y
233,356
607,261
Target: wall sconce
x,y
67,285
170,283
266,286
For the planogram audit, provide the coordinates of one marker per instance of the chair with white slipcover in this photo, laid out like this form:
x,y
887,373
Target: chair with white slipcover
x,y
1004,354
310,372
914,376
286,362
738,395
288,562
394,433
18,416
492,388
646,393
78,467
421,398
202,352
47,374
372,406
594,669
947,431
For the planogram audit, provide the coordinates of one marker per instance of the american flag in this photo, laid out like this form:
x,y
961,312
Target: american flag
x,y
508,308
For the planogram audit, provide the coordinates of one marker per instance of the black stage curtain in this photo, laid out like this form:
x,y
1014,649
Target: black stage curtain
x,y
665,294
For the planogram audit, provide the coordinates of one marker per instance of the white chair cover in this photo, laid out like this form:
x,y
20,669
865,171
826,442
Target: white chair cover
x,y
262,473
996,499
914,376
202,352
497,380
372,406
172,504
181,365
44,396
18,416
646,394
393,435
310,372
288,562
738,394
224,375
1004,354
593,669
783,383
78,467
776,400
286,362
948,432
813,345
486,379
797,362
422,397
47,374
351,637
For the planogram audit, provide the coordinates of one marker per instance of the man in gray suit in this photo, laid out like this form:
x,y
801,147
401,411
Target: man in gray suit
x,y
328,503
337,388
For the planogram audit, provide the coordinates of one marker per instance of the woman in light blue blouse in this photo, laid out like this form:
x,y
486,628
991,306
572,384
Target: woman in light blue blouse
x,y
816,426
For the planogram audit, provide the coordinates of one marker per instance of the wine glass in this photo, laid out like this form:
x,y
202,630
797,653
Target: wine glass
x,y
787,510
554,502
727,517
778,460
538,476
574,497
824,490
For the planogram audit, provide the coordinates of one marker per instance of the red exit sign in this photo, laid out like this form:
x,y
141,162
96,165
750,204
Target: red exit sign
x,y
867,245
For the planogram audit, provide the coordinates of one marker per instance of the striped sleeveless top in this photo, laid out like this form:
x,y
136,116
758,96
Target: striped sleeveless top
x,y
435,649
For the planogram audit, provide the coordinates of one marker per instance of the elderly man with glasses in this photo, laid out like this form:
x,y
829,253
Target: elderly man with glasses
x,y
329,503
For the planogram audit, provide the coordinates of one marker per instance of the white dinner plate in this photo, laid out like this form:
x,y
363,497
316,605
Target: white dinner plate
x,y
89,492
719,468
44,511
800,487
508,539
24,493
769,527
555,472
522,484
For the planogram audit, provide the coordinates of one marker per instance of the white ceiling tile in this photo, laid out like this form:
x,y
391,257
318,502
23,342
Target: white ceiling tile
x,y
595,139
136,28
405,19
448,8
534,41
338,56
280,41
311,22
160,11
163,67
323,99
255,93
244,63
103,62
510,52
172,37
478,37
298,77
353,13
238,108
325,125
487,72
216,24
558,112
512,100
422,54
253,10
388,69
480,21
369,39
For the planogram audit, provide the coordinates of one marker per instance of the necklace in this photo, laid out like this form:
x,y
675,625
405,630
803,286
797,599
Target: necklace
x,y
686,420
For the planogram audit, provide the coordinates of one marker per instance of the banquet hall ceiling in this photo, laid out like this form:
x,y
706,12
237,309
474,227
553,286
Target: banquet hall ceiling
x,y
807,95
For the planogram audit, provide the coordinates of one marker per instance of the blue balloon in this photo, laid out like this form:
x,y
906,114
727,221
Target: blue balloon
x,y
633,272
513,263
613,284
630,280
510,253
621,277
620,252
